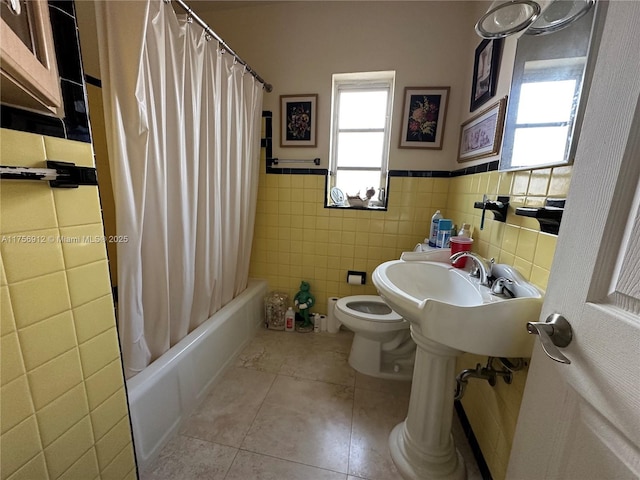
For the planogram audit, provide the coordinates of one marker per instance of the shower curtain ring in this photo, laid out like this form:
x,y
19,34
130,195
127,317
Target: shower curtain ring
x,y
207,37
189,19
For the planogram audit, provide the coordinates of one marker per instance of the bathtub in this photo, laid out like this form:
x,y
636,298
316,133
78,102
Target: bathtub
x,y
163,395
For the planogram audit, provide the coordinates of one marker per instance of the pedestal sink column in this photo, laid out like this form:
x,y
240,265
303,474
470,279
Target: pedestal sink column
x,y
422,446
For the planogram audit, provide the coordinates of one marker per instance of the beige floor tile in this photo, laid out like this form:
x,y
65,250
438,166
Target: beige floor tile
x,y
291,406
328,366
249,465
374,416
187,458
382,385
304,421
266,352
322,357
270,348
226,414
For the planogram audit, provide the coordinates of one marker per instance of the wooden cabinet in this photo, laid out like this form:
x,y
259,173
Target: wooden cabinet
x,y
28,68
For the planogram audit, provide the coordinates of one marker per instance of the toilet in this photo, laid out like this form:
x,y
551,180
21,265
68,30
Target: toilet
x,y
382,344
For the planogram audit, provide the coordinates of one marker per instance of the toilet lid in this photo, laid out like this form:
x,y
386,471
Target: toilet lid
x,y
368,307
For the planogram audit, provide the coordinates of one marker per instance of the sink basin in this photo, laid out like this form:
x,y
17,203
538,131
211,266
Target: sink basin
x,y
448,306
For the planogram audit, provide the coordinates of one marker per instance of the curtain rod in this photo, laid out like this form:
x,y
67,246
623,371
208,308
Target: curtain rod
x,y
267,86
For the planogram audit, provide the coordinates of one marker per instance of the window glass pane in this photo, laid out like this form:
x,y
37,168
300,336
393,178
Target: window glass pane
x,y
529,148
362,109
351,182
360,149
544,102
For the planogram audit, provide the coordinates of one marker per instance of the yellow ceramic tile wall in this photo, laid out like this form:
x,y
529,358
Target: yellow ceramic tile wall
x,y
493,411
63,412
99,137
296,238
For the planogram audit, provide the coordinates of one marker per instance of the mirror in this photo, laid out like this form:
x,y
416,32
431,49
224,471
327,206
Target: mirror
x,y
548,95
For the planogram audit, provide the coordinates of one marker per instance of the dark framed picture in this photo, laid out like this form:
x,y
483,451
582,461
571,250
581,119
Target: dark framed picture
x,y
298,125
485,72
481,135
423,118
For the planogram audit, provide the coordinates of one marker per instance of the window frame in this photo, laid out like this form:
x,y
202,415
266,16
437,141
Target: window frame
x,y
541,75
364,82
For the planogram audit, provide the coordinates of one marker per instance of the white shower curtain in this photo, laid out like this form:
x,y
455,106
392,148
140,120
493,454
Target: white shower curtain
x,y
183,128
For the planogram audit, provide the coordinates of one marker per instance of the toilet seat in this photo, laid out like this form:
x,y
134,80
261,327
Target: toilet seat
x,y
382,345
357,305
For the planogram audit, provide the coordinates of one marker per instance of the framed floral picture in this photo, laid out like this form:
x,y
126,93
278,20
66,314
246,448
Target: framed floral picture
x,y
298,125
423,118
481,135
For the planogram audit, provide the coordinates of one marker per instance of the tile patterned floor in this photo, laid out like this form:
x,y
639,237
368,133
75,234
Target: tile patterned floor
x,y
292,408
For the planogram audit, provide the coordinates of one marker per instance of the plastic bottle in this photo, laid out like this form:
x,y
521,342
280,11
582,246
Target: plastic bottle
x,y
465,231
433,231
444,232
289,320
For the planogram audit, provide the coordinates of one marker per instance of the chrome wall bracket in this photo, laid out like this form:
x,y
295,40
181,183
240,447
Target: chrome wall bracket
x,y
59,174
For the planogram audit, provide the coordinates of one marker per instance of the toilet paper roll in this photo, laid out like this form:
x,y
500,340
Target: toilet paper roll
x,y
354,280
333,324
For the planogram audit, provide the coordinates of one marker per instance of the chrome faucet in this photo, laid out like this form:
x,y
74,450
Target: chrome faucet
x,y
484,266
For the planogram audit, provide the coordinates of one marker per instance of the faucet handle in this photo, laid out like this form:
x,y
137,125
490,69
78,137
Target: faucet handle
x,y
503,286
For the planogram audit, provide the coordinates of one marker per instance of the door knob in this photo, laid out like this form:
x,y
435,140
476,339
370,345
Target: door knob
x,y
553,333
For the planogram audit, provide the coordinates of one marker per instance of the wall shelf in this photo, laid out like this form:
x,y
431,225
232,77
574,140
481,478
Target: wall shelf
x,y
549,216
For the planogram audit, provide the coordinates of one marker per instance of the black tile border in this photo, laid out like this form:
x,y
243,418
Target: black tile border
x,y
297,171
66,6
26,121
473,442
65,34
420,173
96,82
485,167
482,168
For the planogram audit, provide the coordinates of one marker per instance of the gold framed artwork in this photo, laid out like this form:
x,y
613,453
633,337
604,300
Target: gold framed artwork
x,y
481,135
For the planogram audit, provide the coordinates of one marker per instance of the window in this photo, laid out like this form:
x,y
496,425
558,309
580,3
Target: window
x,y
360,131
546,109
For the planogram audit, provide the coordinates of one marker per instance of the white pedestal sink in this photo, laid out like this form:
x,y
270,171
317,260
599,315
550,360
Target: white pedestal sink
x,y
450,313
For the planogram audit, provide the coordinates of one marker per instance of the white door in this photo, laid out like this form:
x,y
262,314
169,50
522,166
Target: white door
x,y
582,421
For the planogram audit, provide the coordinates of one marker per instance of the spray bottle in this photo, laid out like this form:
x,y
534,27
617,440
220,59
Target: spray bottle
x,y
433,231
